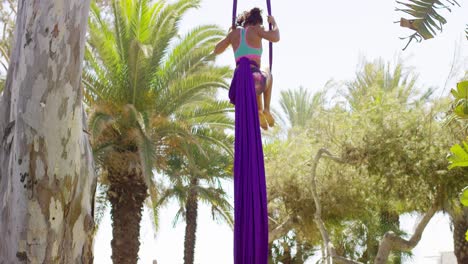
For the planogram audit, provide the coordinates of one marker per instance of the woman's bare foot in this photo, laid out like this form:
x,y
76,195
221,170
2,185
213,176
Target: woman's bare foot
x,y
263,120
269,118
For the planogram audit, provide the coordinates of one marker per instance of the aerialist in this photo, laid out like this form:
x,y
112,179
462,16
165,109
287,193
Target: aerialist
x,y
246,40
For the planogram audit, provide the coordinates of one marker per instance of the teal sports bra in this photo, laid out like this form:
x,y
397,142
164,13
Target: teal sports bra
x,y
245,50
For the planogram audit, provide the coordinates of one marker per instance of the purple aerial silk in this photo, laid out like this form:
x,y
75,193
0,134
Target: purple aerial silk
x,y
250,198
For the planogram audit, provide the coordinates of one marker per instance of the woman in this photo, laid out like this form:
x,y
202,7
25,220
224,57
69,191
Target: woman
x,y
246,41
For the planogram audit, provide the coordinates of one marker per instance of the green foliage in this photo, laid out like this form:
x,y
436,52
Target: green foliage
x,y
7,24
149,89
191,168
100,204
460,105
291,249
464,196
387,132
459,156
141,90
299,106
426,18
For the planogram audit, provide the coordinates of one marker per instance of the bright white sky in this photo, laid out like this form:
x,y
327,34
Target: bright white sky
x,y
320,40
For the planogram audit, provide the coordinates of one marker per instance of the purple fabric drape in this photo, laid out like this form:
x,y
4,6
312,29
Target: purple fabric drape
x,y
250,197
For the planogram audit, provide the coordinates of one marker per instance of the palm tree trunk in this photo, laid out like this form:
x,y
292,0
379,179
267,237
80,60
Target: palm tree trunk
x,y
460,227
191,210
47,179
127,193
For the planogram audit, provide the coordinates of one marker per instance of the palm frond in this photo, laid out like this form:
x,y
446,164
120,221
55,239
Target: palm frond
x,y
147,152
179,215
207,111
166,18
103,40
425,19
4,54
185,90
300,105
466,31
99,121
377,81
198,43
188,63
96,81
217,139
153,197
218,200
101,204
101,149
2,84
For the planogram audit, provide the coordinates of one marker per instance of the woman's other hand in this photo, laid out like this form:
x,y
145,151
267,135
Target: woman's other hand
x,y
271,20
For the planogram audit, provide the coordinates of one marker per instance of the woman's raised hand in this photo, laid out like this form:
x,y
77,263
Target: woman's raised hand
x,y
271,20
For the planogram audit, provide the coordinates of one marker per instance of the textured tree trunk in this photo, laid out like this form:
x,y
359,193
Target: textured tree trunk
x,y
460,227
47,179
127,193
191,211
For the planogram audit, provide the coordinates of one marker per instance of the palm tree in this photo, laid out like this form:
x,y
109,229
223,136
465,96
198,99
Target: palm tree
x,y
196,176
299,106
377,82
148,89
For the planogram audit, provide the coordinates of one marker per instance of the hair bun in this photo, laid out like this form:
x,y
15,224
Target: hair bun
x,y
255,11
251,17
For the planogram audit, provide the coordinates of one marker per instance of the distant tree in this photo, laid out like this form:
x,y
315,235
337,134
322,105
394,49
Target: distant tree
x,y
382,149
195,176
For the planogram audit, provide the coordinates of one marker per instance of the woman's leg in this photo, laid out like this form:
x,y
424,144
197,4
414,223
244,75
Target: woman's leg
x,y
259,103
259,88
267,99
261,116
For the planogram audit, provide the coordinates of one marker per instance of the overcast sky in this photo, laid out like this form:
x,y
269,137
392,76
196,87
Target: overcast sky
x,y
320,40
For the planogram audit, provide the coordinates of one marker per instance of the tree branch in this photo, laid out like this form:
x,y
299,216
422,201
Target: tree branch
x,y
391,241
330,255
280,230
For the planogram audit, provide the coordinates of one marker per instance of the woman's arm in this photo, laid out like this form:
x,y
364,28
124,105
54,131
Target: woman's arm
x,y
272,35
223,44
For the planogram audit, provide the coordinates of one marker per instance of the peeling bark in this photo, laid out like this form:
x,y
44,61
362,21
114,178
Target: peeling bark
x,y
47,178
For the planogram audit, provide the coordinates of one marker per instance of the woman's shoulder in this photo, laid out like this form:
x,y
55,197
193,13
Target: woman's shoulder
x,y
256,28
